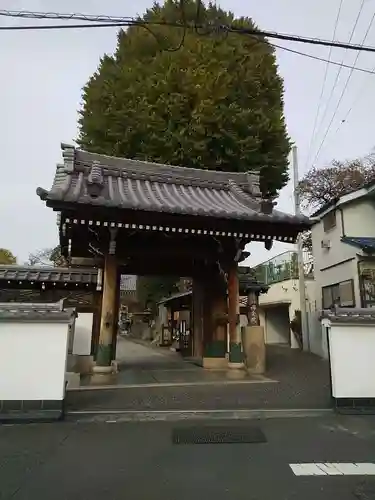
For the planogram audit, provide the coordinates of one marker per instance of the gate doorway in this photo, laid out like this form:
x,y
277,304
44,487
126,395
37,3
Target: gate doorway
x,y
142,218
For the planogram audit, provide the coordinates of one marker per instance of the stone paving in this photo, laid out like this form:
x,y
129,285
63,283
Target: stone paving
x,y
142,364
294,380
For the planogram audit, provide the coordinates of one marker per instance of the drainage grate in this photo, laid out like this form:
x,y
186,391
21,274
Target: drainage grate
x,y
235,434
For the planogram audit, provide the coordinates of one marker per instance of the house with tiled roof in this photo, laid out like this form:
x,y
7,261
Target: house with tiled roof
x,y
343,239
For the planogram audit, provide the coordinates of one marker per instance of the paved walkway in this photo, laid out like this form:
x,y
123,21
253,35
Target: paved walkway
x,y
143,364
139,461
294,380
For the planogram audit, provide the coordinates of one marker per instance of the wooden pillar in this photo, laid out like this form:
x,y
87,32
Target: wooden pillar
x,y
97,309
197,318
173,324
235,347
116,313
108,317
253,308
215,324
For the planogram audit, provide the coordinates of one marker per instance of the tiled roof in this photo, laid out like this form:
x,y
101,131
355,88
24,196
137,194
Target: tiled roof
x,y
35,312
175,297
365,243
248,281
98,180
49,274
243,300
349,315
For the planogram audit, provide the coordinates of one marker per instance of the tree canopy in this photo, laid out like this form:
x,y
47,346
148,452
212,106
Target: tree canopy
x,y
47,257
204,101
151,289
320,186
6,257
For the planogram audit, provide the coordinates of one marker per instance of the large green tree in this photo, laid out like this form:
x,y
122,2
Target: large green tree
x,y
6,257
216,102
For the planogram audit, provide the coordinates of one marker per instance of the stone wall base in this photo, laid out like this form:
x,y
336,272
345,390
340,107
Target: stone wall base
x,y
73,380
84,364
215,363
254,348
28,411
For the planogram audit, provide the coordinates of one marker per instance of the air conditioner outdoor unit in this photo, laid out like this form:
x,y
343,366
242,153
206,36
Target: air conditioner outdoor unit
x,y
326,244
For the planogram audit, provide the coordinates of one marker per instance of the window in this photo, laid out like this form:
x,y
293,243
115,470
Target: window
x,y
341,294
329,221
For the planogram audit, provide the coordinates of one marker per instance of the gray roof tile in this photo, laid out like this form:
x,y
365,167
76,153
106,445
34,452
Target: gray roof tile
x,y
99,180
35,312
49,274
349,315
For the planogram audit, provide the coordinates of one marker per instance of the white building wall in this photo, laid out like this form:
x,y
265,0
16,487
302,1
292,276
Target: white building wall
x,y
338,251
339,262
33,360
359,219
83,334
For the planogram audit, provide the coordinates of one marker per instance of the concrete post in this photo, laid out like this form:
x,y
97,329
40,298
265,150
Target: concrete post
x,y
235,344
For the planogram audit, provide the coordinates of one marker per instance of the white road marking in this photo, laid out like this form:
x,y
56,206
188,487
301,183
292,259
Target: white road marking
x,y
333,469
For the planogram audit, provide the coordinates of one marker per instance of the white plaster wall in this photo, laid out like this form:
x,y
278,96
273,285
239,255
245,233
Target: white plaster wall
x,y
338,252
33,360
82,334
352,350
287,292
359,218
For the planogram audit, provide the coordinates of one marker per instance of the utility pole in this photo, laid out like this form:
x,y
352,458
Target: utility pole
x,y
301,271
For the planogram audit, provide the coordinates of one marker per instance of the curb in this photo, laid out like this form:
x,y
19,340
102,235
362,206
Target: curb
x,y
181,415
161,385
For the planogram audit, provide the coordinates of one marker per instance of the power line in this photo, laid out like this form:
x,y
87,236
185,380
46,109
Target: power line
x,y
338,76
24,14
322,59
323,85
73,26
355,101
121,22
344,89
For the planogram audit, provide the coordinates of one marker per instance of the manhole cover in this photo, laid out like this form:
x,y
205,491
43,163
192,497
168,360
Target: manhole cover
x,y
218,435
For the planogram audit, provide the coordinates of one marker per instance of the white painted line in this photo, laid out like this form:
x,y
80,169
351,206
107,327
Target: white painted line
x,y
307,470
330,469
333,469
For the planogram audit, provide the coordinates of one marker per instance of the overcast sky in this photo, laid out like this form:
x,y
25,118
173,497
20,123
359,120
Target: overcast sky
x,y
42,74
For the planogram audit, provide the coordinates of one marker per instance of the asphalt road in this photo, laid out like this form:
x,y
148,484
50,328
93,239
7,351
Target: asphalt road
x,y
139,461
